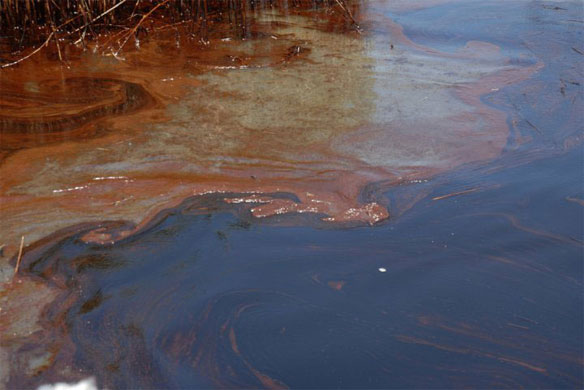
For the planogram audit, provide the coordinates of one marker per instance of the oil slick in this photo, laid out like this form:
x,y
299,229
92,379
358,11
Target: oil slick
x,y
313,111
207,201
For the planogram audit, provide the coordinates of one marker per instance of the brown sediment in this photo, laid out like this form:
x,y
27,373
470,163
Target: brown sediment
x,y
21,303
32,295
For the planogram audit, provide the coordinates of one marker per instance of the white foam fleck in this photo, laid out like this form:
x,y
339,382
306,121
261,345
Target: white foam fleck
x,y
85,384
77,188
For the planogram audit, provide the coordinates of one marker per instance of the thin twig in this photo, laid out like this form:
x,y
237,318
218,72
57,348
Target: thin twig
x,y
99,17
455,194
19,256
30,55
135,28
46,43
57,42
344,7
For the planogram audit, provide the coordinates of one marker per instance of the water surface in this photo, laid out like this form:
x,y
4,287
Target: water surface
x,y
468,132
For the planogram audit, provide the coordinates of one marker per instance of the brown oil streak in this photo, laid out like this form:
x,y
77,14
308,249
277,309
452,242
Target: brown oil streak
x,y
415,340
514,221
62,110
336,285
538,269
461,330
455,194
576,200
266,381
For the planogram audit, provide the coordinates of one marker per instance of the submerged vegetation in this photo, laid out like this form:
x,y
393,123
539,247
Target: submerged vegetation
x,y
27,26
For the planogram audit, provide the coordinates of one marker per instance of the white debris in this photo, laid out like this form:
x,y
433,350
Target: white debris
x,y
85,384
110,178
69,189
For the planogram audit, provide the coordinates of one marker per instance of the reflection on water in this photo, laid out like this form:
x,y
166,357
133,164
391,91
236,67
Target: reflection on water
x,y
483,273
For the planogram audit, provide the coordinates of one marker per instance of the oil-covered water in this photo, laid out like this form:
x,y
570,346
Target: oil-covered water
x,y
460,121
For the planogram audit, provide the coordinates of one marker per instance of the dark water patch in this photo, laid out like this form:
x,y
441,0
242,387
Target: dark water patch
x,y
483,291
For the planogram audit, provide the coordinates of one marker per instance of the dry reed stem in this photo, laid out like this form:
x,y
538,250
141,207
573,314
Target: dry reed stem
x,y
135,28
99,17
31,15
19,256
29,55
455,194
45,43
348,12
